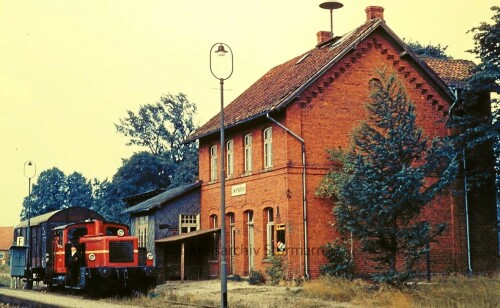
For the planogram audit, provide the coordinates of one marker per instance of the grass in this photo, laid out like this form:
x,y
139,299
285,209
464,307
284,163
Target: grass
x,y
460,291
4,275
163,299
446,291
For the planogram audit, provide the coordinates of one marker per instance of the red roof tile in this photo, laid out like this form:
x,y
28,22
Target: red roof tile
x,y
454,72
6,237
284,82
275,86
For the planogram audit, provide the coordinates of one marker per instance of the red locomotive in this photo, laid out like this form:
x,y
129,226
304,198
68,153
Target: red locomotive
x,y
92,254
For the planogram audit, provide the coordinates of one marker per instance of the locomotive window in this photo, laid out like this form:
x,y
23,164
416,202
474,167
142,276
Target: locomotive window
x,y
112,231
75,234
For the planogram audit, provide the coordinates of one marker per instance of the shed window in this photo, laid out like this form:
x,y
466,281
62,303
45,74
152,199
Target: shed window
x,y
142,230
189,223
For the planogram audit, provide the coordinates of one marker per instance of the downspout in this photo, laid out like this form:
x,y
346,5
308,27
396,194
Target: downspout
x,y
304,195
467,228
466,194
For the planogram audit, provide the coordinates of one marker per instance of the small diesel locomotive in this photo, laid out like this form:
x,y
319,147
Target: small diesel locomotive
x,y
94,255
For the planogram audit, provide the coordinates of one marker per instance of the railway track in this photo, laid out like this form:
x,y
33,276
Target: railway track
x,y
40,299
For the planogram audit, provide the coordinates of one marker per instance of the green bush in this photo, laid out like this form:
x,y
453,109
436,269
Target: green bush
x,y
276,269
339,260
255,277
4,268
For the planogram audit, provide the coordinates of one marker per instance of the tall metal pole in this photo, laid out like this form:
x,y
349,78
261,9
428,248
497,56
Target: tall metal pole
x,y
223,263
29,172
331,23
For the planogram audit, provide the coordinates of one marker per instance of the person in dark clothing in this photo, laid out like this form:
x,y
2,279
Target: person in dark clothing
x,y
73,265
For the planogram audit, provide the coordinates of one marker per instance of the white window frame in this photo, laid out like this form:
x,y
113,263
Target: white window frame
x,y
214,221
141,230
213,163
268,148
248,153
250,240
229,158
270,232
189,221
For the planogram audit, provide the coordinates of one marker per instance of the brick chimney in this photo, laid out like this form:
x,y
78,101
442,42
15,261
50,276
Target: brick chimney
x,y
373,12
323,36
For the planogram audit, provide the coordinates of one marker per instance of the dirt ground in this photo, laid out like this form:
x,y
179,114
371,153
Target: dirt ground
x,y
242,294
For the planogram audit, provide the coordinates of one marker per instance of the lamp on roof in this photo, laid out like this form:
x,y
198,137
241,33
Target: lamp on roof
x,y
332,5
29,172
221,51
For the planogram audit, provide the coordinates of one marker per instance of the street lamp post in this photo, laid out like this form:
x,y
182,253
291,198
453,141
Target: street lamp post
x,y
221,51
29,172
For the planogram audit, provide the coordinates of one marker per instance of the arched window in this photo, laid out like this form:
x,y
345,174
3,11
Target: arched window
x,y
269,227
232,241
214,223
215,248
374,84
250,240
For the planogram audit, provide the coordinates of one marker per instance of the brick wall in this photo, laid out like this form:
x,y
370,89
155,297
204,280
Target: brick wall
x,y
324,116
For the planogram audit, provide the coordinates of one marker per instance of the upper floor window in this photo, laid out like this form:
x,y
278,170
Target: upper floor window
x,y
230,158
213,163
248,153
268,147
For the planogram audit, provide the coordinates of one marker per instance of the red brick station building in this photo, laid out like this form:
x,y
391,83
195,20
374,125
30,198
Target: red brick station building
x,y
277,135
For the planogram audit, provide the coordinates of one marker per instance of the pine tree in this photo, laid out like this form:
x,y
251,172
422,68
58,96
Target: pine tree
x,y
390,175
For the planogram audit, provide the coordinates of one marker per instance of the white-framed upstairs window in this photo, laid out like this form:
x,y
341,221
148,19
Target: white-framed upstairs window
x,y
189,223
213,163
268,147
248,153
229,158
141,230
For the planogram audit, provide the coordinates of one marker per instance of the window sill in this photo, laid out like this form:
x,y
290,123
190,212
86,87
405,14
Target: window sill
x,y
267,259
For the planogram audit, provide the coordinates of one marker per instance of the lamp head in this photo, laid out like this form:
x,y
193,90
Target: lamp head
x,y
221,51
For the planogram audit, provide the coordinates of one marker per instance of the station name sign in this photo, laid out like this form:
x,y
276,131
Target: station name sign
x,y
238,190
